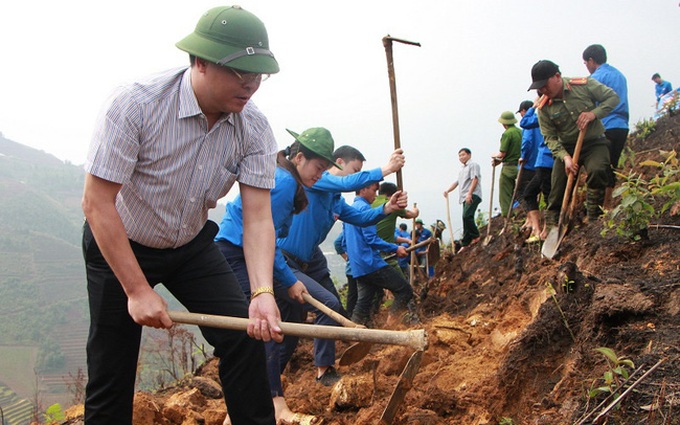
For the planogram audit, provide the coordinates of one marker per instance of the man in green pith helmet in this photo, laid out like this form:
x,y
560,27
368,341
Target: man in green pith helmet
x,y
164,150
508,154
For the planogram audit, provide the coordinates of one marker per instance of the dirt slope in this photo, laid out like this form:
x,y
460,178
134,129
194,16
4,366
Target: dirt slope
x,y
499,349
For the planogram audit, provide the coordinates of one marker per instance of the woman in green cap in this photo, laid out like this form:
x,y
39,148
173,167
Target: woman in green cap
x,y
299,166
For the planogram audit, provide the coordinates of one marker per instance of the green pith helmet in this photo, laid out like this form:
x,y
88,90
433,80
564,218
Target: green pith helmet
x,y
317,140
231,36
507,117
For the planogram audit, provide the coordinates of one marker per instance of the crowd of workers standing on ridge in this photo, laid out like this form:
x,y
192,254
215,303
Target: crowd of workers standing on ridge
x,y
166,148
537,158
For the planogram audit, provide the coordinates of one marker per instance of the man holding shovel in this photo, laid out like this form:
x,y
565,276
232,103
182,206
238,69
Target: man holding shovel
x,y
470,197
508,154
370,269
570,105
164,150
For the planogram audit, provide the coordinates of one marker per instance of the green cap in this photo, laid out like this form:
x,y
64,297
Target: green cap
x,y
317,140
507,117
419,221
231,36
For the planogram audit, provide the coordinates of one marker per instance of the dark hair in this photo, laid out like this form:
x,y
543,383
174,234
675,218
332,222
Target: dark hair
x,y
466,150
300,200
387,189
368,185
348,153
595,52
656,75
402,226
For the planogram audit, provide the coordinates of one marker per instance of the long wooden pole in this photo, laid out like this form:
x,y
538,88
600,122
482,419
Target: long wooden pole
x,y
387,43
416,339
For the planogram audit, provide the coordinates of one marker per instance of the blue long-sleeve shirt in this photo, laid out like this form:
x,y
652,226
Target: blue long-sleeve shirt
x,y
309,228
529,122
282,200
662,88
614,79
341,248
364,245
398,233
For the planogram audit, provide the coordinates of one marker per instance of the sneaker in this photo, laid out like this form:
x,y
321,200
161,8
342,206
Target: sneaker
x,y
329,377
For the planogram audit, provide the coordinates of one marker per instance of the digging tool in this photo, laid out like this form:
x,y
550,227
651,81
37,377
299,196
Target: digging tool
x,y
412,265
387,42
487,239
514,196
416,338
354,352
554,239
448,217
412,247
405,383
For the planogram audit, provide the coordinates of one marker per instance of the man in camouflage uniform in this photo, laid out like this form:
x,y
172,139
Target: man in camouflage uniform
x,y
567,106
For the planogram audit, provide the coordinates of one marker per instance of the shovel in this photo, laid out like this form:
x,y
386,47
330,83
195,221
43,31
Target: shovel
x,y
354,352
448,217
405,383
554,239
487,239
416,338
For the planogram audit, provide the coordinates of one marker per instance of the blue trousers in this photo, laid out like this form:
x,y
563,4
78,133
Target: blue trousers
x,y
279,354
200,278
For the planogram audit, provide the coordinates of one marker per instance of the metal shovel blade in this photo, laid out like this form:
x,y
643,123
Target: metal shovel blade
x,y
405,383
552,242
355,353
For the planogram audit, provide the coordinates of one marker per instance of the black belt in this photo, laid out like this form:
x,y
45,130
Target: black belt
x,y
302,265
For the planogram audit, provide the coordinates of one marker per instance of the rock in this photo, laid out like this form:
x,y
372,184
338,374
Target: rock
x,y
416,416
181,408
145,411
352,392
74,413
208,387
214,416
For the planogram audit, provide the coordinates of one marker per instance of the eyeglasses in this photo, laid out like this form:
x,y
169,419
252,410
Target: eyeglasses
x,y
249,77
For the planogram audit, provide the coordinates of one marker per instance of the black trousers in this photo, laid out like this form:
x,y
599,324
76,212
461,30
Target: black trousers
x,y
200,278
617,140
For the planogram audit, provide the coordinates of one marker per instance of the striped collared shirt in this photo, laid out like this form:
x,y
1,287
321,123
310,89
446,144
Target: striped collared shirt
x,y
152,138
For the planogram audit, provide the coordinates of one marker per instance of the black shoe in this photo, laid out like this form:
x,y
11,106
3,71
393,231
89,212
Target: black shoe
x,y
329,377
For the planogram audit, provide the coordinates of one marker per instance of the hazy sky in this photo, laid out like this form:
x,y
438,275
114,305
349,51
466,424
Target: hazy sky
x,y
61,59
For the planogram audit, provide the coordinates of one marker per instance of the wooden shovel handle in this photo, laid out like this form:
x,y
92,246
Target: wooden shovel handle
x,y
330,312
570,178
416,338
412,247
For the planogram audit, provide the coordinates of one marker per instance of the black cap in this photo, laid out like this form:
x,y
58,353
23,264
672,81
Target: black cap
x,y
524,106
541,72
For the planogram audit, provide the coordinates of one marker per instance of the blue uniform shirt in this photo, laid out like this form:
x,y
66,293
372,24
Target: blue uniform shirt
x,y
309,228
364,245
614,79
282,197
341,248
398,233
663,88
529,122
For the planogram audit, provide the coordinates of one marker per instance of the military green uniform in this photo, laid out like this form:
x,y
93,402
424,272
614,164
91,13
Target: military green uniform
x,y
511,144
385,230
557,118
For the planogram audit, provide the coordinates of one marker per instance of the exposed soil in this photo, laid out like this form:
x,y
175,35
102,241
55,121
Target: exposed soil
x,y
503,347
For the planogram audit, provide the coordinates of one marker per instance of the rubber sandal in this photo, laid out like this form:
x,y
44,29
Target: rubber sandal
x,y
533,239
